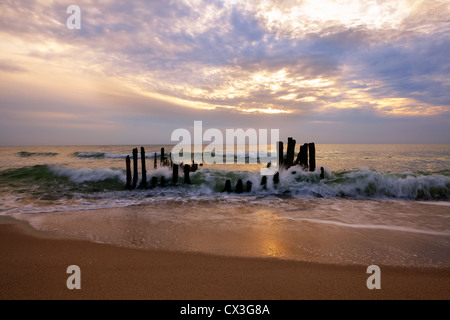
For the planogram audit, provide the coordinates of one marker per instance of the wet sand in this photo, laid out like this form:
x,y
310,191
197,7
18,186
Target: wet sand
x,y
33,265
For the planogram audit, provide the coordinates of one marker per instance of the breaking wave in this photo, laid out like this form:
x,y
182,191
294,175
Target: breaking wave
x,y
25,154
295,183
151,155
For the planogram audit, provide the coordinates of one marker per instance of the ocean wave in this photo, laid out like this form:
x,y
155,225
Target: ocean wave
x,y
25,154
100,155
151,155
54,182
295,183
372,184
84,175
104,155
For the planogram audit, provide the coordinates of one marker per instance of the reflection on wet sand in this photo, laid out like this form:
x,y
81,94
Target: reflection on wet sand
x,y
320,230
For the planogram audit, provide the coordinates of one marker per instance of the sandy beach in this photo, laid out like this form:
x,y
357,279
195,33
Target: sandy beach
x,y
33,266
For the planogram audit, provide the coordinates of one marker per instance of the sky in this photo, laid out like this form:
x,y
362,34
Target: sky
x,y
328,71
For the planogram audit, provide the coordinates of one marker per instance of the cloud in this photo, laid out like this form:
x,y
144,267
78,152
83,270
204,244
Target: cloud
x,y
236,58
11,67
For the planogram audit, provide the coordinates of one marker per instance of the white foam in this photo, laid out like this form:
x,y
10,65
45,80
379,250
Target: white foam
x,y
104,155
87,174
378,227
435,203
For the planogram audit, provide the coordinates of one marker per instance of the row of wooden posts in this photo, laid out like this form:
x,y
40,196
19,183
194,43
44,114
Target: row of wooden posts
x,y
307,152
132,181
302,157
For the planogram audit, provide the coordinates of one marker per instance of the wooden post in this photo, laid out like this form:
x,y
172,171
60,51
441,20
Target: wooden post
x,y
240,186
135,168
294,142
163,181
155,166
312,157
249,186
280,154
175,174
276,178
304,156
194,166
163,156
227,186
128,163
290,153
322,173
187,170
144,169
264,181
154,182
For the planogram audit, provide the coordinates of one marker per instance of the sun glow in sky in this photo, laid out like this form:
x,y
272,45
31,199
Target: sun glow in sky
x,y
331,71
312,15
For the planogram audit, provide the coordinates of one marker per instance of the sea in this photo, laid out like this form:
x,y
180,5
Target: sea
x,y
377,204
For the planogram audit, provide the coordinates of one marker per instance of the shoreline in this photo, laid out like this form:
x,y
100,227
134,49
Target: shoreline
x,y
33,265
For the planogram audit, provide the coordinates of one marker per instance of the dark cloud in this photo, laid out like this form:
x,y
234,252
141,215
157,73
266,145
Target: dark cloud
x,y
245,26
413,68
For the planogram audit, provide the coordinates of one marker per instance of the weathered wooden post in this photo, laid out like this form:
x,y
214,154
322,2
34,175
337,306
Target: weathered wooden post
x,y
144,169
294,143
303,156
290,153
154,182
322,173
227,186
163,156
175,174
240,186
163,181
312,157
128,163
187,170
276,178
135,168
155,165
194,166
280,154
264,181
249,186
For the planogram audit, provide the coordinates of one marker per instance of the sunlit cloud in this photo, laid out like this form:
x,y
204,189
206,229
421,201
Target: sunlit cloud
x,y
410,107
267,111
298,18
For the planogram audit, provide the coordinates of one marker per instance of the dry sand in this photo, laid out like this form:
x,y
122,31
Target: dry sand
x,y
33,266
